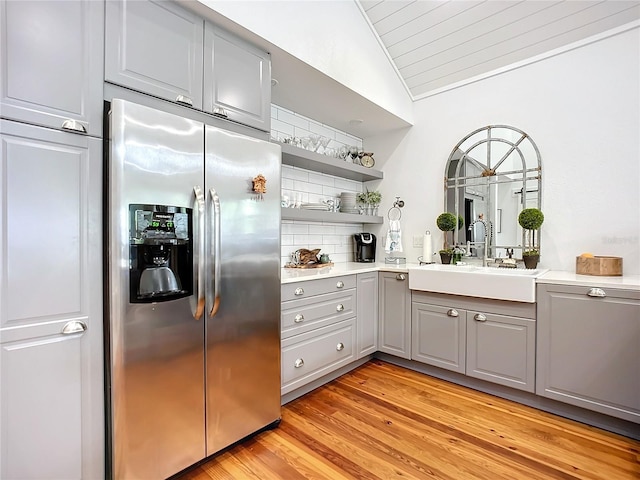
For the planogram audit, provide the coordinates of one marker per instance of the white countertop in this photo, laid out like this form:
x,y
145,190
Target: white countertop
x,y
624,282
290,275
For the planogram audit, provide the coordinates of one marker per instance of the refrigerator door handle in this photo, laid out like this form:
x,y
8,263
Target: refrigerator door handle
x,y
200,249
215,249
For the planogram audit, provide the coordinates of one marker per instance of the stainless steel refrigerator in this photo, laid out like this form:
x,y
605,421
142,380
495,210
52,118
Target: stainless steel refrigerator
x,y
193,357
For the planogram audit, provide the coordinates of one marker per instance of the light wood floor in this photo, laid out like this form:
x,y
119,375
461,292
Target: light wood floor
x,y
382,422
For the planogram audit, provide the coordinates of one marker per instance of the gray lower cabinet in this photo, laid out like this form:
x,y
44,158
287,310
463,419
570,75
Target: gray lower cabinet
x,y
394,297
51,382
439,336
487,339
155,47
501,349
237,79
367,318
318,322
51,64
588,348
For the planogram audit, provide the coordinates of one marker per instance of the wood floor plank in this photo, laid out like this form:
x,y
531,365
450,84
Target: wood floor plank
x,y
381,421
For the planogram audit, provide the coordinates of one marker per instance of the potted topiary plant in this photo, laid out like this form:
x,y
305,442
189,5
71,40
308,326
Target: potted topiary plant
x,y
447,222
531,219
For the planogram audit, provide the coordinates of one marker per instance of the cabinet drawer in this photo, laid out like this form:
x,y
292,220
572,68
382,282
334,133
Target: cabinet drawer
x,y
311,355
299,316
294,291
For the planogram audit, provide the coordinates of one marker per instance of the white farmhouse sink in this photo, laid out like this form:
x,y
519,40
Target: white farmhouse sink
x,y
516,285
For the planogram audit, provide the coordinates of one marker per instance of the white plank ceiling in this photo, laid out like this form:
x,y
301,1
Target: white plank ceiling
x,y
439,43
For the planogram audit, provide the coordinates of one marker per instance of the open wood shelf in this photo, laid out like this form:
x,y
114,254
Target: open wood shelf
x,y
334,217
299,157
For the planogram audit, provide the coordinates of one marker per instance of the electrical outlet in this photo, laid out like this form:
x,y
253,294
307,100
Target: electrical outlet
x,y
417,240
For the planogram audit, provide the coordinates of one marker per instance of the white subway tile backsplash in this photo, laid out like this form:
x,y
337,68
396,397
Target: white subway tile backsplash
x,y
293,119
285,129
320,129
318,178
302,185
300,174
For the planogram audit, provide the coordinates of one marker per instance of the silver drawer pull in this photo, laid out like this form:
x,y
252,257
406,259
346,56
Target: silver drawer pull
x,y
74,326
184,100
299,318
452,312
478,317
597,292
340,284
340,307
73,126
298,363
298,291
401,277
340,346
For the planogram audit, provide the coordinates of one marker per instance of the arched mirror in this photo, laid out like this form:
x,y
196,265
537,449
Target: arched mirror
x,y
492,174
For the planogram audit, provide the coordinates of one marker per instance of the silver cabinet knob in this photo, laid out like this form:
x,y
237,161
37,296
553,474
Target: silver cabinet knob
x,y
478,317
299,318
597,292
73,126
340,284
74,326
184,100
340,307
401,277
298,291
220,112
452,312
298,363
340,346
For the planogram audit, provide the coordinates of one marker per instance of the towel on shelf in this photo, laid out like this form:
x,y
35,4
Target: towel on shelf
x,y
393,242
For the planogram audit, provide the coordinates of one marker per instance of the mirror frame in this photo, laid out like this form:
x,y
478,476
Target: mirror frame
x,y
456,180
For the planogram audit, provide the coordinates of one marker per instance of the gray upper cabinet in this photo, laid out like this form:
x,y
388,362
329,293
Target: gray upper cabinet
x,y
394,297
588,348
51,357
155,47
237,79
367,319
51,64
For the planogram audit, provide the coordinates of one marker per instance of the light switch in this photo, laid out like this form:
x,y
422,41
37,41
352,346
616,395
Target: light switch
x,y
417,240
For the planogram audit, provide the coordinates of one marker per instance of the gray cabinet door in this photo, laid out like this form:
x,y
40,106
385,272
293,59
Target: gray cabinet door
x,y
501,349
588,349
394,334
51,386
51,63
156,48
367,319
237,79
438,336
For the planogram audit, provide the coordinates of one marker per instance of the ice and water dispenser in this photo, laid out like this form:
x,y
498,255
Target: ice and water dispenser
x,y
161,253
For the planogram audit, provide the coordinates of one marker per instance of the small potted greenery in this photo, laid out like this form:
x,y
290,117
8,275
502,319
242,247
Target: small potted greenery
x,y
447,222
370,201
531,219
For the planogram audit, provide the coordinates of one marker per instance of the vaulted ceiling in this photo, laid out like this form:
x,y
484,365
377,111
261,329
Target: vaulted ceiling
x,y
438,43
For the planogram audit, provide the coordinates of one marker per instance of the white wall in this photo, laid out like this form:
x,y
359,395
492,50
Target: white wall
x,y
332,37
581,107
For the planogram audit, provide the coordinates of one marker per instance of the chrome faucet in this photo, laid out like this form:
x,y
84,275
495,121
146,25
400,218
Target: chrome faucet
x,y
488,231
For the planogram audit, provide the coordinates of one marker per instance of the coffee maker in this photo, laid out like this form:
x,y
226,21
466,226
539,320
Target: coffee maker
x,y
161,253
365,247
